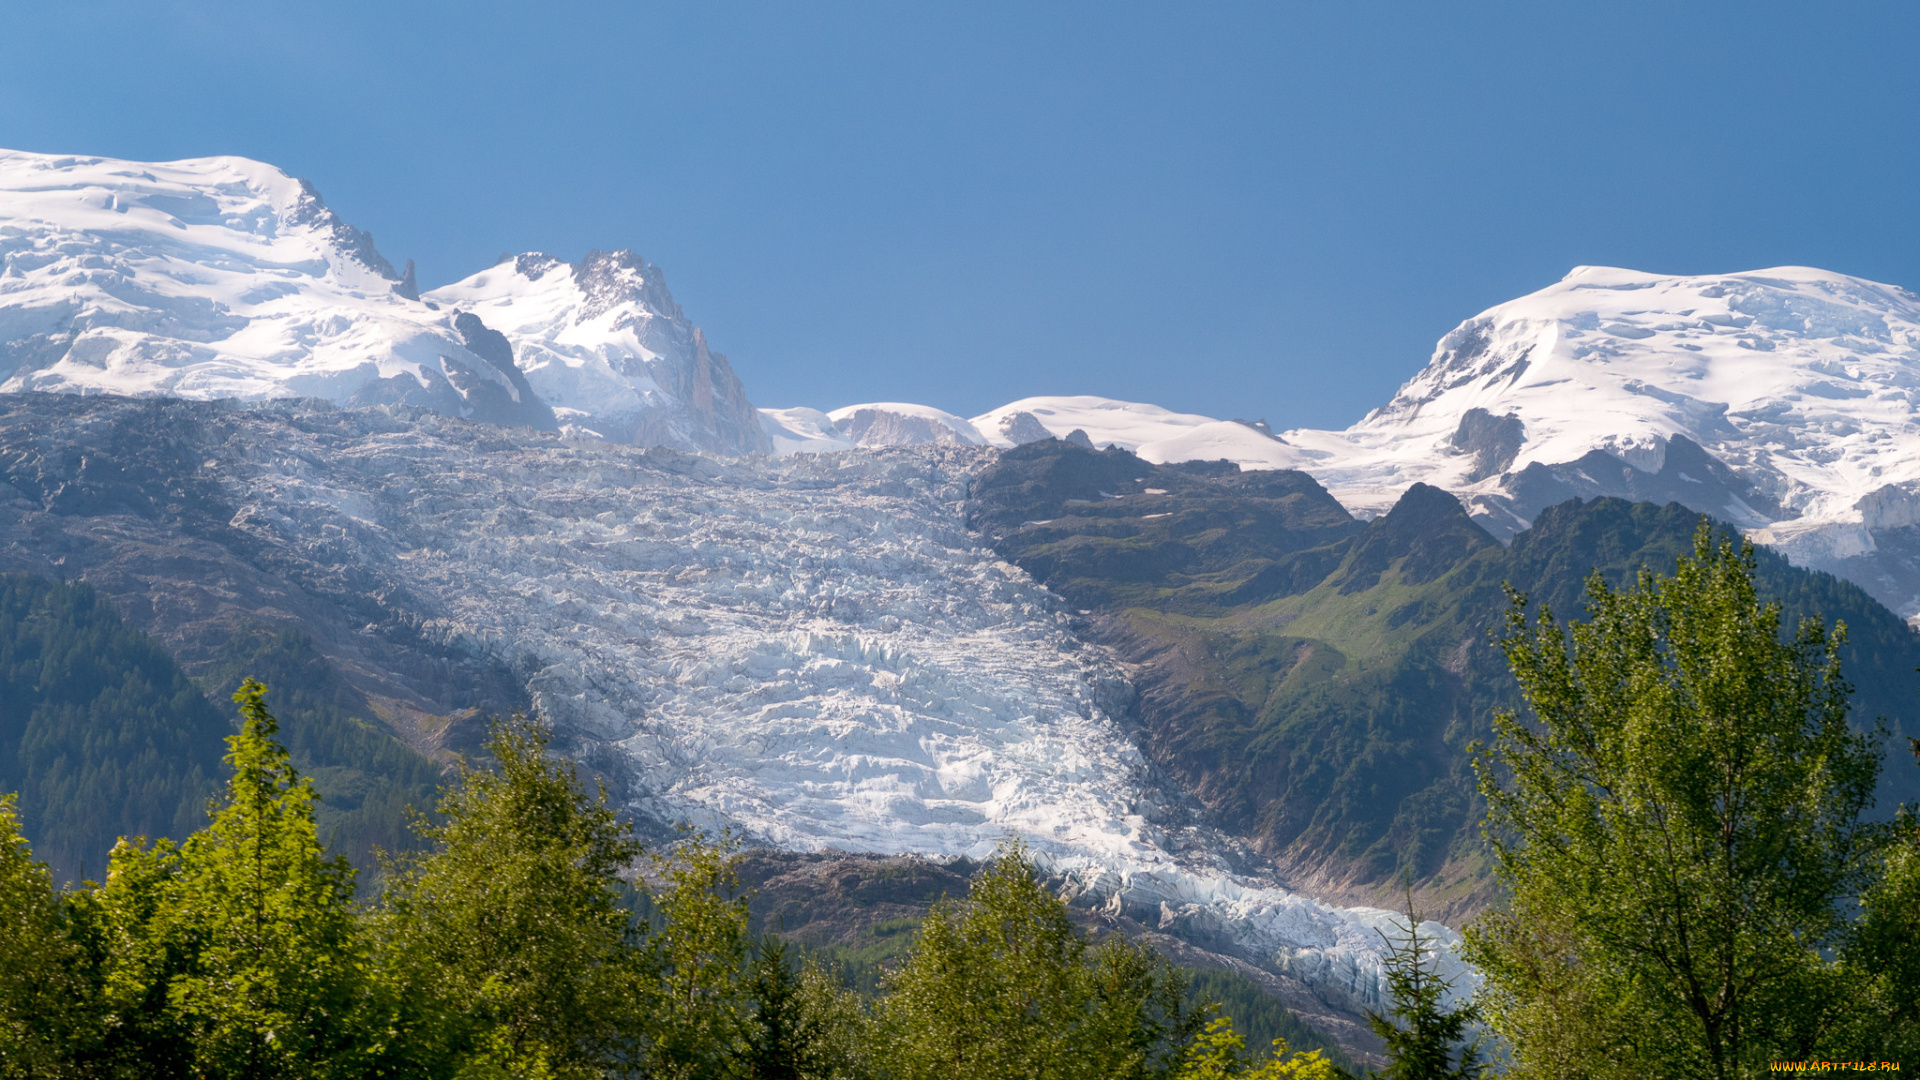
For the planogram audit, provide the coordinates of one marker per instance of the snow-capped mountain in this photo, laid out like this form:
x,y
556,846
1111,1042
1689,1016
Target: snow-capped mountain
x,y
227,278
1781,400
1156,434
219,278
603,342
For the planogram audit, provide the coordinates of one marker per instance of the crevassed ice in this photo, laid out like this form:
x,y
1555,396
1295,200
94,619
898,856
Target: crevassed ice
x,y
813,650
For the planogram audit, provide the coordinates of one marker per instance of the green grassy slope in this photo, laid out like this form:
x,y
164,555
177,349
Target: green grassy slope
x,y
1315,680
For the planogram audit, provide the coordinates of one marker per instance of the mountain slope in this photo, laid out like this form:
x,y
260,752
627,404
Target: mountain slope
x,y
103,735
812,650
100,733
1314,680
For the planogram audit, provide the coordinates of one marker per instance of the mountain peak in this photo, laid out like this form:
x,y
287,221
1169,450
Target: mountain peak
x,y
612,278
606,344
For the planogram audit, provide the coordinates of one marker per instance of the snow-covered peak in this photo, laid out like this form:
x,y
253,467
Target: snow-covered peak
x,y
227,278
1156,434
604,342
1803,381
217,278
895,423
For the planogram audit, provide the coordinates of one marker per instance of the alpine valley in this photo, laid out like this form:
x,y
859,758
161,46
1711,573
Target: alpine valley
x,y
1222,679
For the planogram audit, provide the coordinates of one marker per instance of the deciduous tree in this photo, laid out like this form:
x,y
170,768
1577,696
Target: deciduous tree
x,y
1682,824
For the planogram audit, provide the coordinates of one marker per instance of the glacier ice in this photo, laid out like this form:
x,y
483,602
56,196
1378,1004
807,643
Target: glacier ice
x,y
812,650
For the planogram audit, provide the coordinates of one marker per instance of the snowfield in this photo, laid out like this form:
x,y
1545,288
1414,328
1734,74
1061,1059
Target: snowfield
x,y
1804,381
227,278
604,343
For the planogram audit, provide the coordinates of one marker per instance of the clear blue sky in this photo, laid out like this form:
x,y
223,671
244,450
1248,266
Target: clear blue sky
x,y
1258,210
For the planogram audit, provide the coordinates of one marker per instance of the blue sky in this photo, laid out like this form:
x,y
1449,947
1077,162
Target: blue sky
x,y
1256,210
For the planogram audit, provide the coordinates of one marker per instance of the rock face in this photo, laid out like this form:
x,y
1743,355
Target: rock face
x,y
218,278
604,343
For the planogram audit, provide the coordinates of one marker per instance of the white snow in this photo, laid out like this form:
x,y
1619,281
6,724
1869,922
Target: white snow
x,y
802,431
1127,424
1156,434
226,278
604,338
894,423
208,278
1804,381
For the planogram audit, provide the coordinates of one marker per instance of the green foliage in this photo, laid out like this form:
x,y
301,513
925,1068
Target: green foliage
x,y
1426,1036
1682,831
1003,986
100,733
273,978
512,947
1219,1053
1883,956
237,953
508,935
47,1004
799,1024
369,782
697,947
278,961
1257,1015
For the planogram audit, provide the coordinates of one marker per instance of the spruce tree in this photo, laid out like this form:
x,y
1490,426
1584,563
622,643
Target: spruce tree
x,y
1425,1034
276,982
774,1033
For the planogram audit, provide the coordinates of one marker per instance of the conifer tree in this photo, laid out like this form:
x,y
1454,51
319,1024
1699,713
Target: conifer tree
x,y
275,981
1425,1034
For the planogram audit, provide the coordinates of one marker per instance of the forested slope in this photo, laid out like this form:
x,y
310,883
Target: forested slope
x,y
104,736
100,732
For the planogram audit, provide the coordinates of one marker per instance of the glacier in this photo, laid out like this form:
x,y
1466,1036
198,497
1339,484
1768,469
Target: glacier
x,y
812,651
